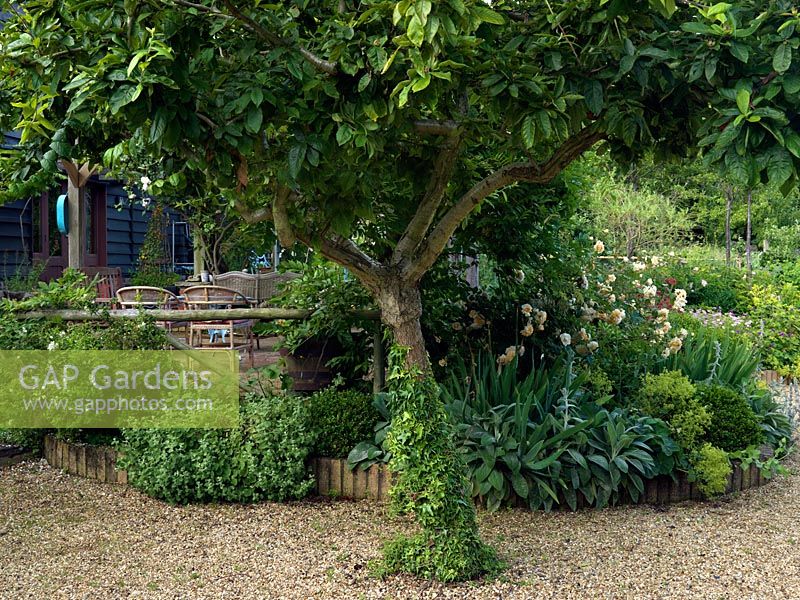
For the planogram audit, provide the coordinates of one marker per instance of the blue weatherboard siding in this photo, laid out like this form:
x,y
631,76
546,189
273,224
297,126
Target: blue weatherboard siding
x,y
125,231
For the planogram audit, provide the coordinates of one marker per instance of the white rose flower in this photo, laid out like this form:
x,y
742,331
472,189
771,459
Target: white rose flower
x,y
566,339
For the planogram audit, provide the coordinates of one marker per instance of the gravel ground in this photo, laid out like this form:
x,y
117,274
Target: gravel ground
x,y
66,537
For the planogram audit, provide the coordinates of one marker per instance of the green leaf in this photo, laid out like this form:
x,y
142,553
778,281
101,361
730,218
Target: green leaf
x,y
416,31
159,125
344,134
780,167
487,15
124,95
626,64
740,51
364,81
791,84
743,100
594,97
296,156
254,119
528,131
520,485
421,83
710,69
793,144
496,480
782,59
599,460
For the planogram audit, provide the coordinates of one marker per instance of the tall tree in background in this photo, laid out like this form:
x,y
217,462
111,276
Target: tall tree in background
x,y
371,130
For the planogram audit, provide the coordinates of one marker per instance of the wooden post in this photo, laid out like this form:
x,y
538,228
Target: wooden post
x,y
379,362
76,193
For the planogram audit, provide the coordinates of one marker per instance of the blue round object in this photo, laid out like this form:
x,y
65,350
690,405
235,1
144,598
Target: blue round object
x,y
62,214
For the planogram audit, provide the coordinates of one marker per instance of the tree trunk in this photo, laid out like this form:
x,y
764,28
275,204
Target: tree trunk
x,y
728,208
749,234
401,309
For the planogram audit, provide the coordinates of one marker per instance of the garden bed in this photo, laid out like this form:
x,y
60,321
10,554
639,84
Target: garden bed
x,y
334,478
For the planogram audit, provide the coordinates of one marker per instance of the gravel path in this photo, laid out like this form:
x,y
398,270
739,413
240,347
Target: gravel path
x,y
66,537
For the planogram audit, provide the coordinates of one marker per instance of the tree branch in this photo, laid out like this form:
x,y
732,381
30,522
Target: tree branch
x,y
252,215
433,127
345,252
418,227
280,216
276,40
527,172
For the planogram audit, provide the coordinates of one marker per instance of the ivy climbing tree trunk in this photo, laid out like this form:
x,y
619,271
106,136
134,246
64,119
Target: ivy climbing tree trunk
x,y
728,208
748,240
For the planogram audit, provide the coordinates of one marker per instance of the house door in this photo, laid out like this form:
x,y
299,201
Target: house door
x,y
51,247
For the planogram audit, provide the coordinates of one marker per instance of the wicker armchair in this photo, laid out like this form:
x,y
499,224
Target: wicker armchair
x,y
258,288
143,296
244,283
239,332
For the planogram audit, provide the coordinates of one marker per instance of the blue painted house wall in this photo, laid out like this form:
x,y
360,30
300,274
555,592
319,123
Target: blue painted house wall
x,y
126,226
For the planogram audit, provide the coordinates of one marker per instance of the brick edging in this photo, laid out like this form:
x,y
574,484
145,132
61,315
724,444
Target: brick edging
x,y
333,476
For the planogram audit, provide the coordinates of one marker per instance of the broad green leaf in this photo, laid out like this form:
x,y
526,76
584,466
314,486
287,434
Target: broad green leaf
x,y
520,485
416,31
421,83
254,119
743,100
594,97
487,15
791,83
740,51
782,59
124,95
793,144
780,167
528,132
364,81
296,156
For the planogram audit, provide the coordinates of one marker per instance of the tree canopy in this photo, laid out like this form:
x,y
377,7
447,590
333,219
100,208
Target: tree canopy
x,y
371,130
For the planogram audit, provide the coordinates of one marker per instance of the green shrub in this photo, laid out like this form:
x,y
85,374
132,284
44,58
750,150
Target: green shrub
x,y
264,459
734,425
30,439
340,419
672,397
710,469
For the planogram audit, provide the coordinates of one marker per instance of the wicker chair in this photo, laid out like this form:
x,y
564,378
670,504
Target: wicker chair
x,y
204,297
244,283
269,286
145,298
258,288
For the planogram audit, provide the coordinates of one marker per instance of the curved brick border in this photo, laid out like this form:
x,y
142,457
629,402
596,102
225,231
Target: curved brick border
x,y
333,477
